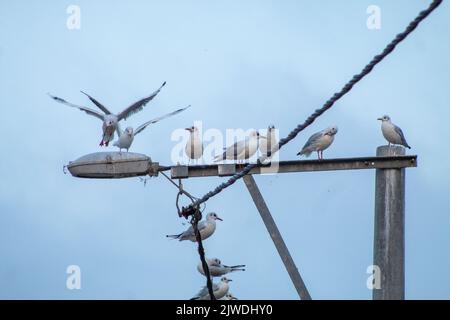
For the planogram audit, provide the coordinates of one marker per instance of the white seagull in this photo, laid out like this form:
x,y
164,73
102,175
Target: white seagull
x,y
269,144
217,269
126,138
194,145
241,150
318,142
109,119
228,296
205,227
392,133
219,290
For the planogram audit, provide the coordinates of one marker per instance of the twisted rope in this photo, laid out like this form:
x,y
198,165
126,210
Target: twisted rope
x,y
338,95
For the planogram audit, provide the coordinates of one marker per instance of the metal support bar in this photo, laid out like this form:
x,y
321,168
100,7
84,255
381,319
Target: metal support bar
x,y
389,234
380,162
276,238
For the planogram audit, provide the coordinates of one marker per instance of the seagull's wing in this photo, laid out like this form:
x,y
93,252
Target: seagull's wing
x,y
237,148
204,290
215,264
190,231
139,105
98,104
201,225
234,150
144,125
85,109
400,133
313,140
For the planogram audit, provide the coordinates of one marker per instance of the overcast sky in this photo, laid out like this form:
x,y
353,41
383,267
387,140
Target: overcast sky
x,y
240,65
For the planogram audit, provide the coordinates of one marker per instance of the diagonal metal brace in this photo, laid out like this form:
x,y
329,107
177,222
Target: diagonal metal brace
x,y
276,237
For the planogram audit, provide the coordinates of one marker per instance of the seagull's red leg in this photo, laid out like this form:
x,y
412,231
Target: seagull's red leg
x,y
318,155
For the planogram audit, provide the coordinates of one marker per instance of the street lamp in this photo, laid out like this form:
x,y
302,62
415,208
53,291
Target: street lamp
x,y
112,165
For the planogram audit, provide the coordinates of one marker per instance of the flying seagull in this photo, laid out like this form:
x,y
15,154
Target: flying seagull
x,y
205,227
318,142
194,145
219,290
392,133
109,119
241,150
126,138
217,269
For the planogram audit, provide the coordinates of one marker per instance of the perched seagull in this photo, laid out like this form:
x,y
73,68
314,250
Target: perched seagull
x,y
392,133
109,119
126,138
271,143
205,227
194,145
219,290
241,150
318,142
217,269
228,296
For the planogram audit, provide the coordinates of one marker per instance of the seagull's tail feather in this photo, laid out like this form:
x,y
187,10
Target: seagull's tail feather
x,y
56,98
195,298
304,152
236,266
174,236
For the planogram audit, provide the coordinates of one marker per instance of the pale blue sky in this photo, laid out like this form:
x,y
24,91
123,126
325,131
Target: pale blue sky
x,y
239,65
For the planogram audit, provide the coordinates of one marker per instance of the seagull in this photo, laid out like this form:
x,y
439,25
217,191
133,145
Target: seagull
x,y
392,133
109,119
126,138
194,145
271,143
318,142
241,150
217,269
228,296
205,227
219,290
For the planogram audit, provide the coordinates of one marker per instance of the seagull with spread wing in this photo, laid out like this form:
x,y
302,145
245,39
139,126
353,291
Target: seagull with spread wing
x,y
110,120
126,138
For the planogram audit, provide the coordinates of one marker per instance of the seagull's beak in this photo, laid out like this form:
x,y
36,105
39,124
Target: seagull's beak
x,y
188,129
219,218
230,280
381,119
